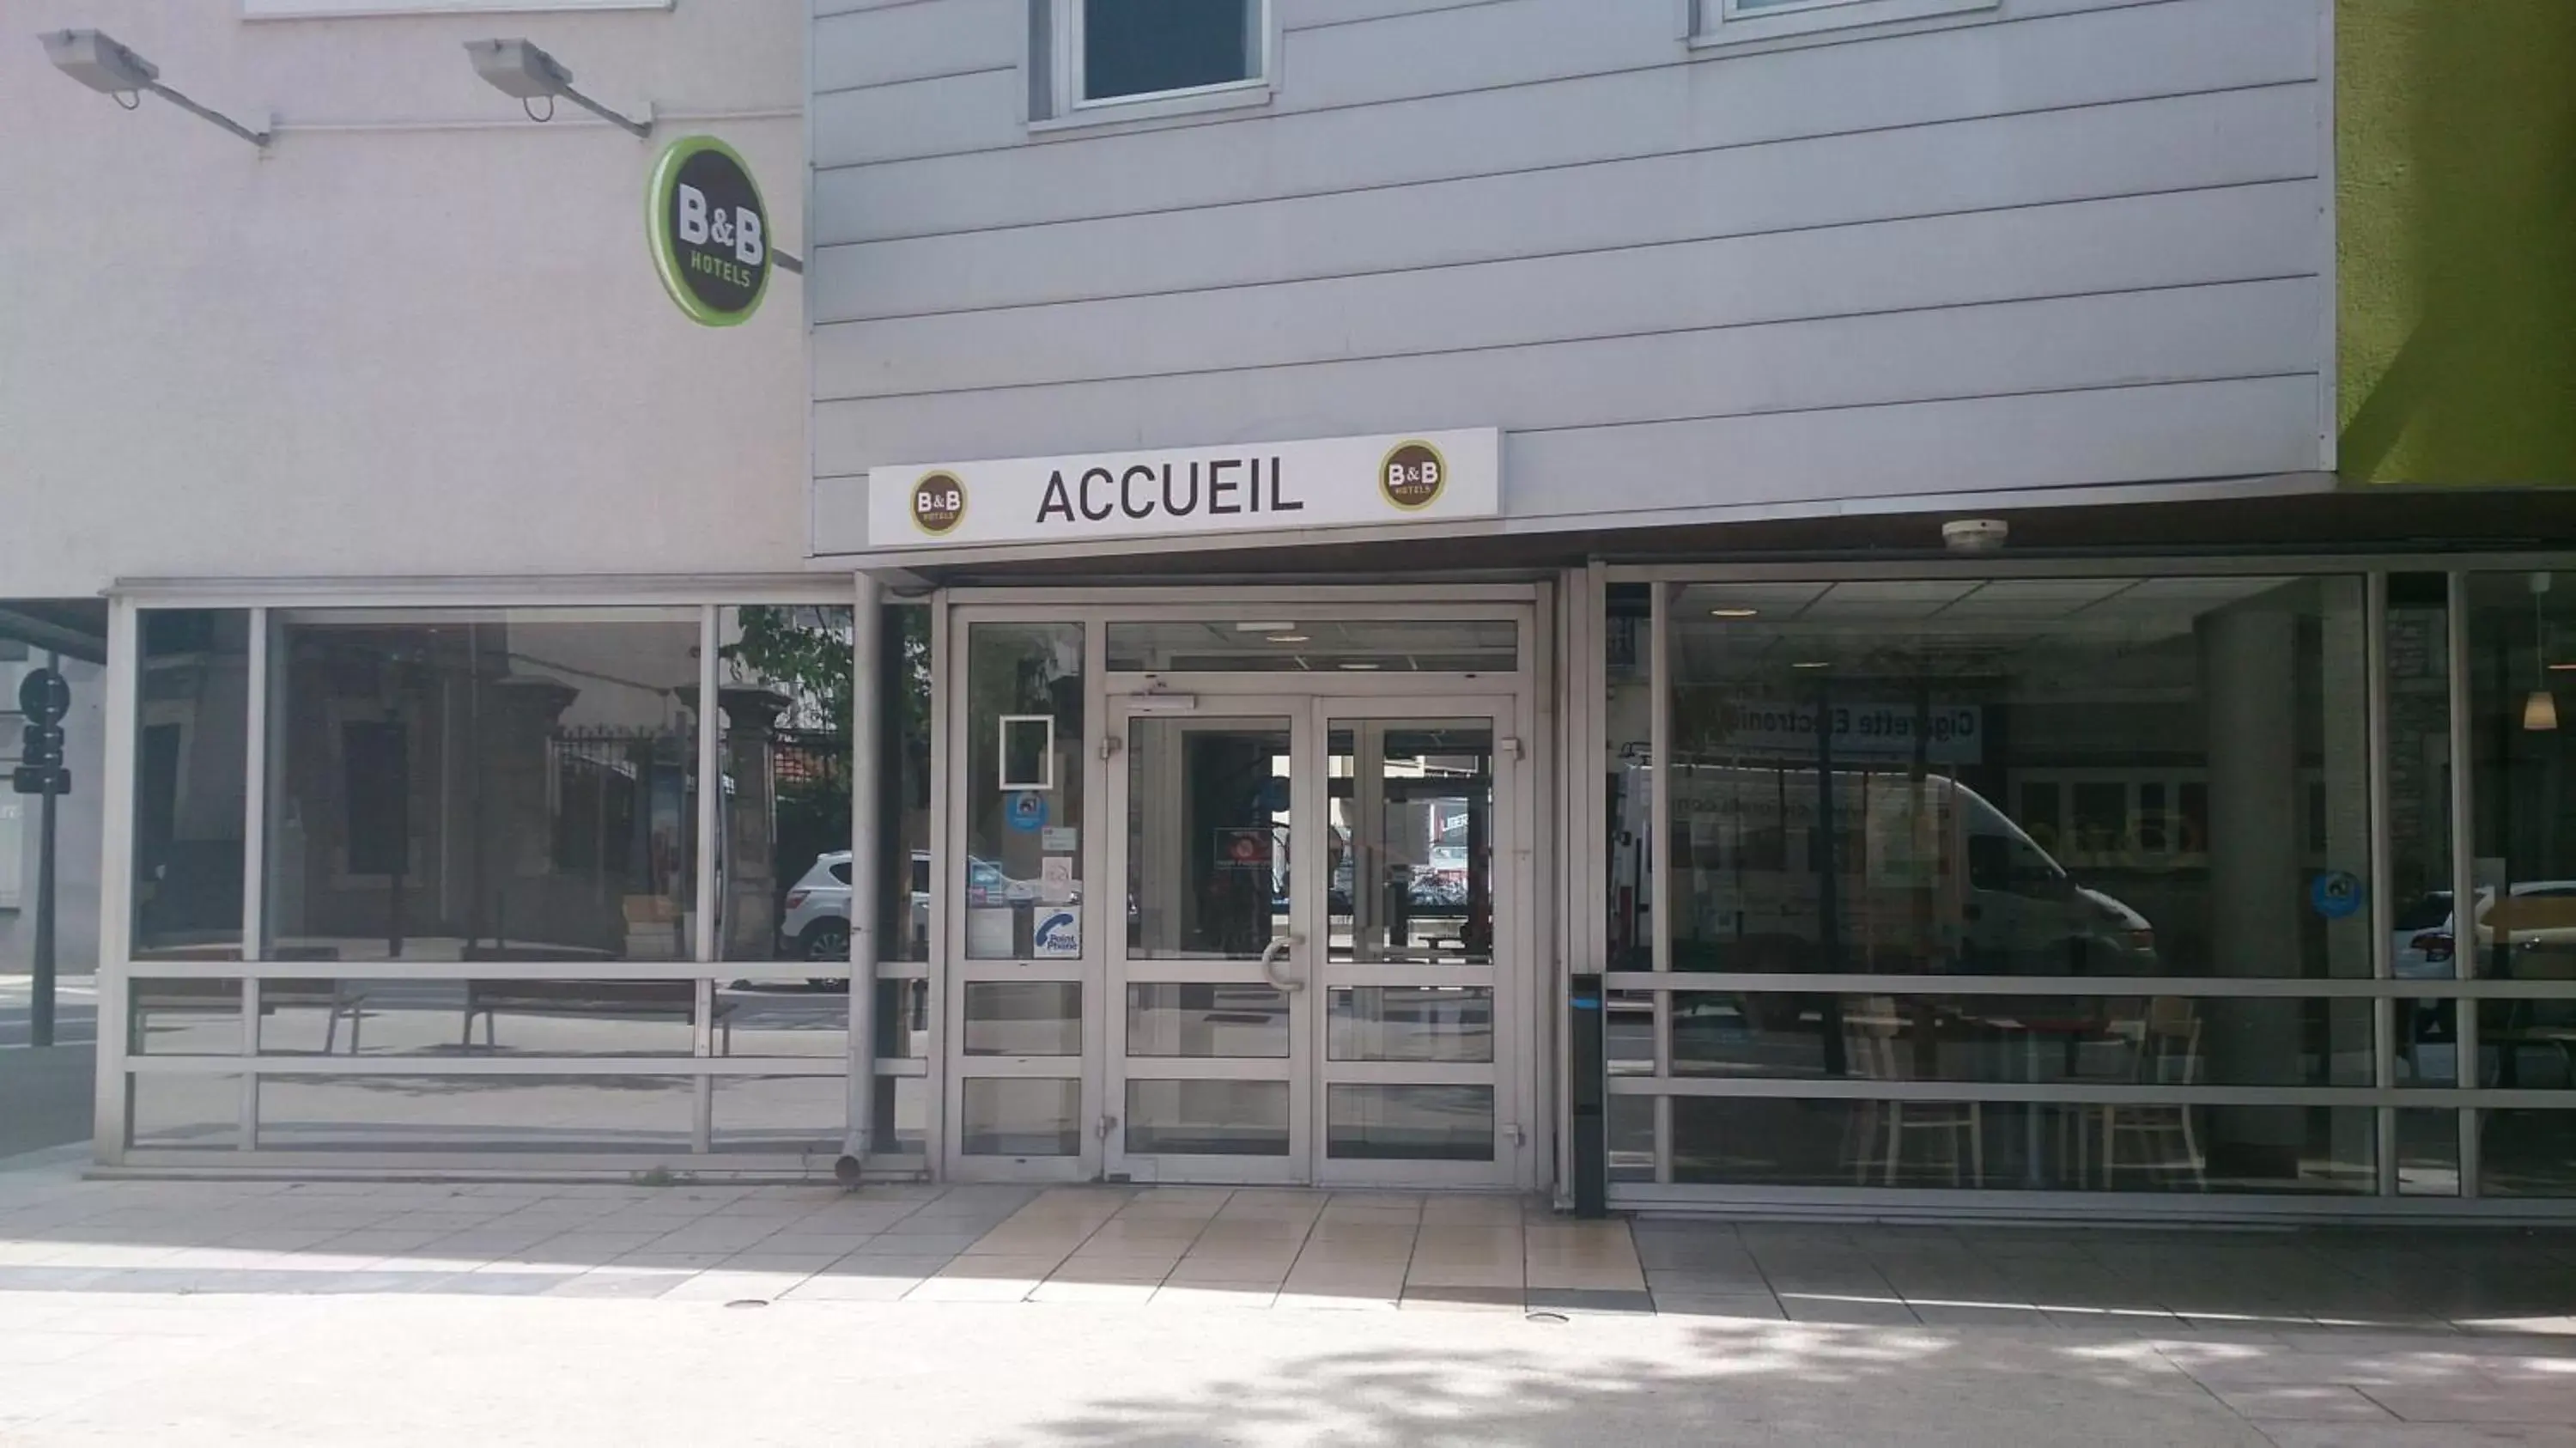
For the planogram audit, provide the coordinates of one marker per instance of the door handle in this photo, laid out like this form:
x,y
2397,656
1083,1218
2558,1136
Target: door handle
x,y
1275,952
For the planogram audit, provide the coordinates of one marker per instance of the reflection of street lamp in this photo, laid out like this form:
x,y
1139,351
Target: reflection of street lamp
x,y
2540,711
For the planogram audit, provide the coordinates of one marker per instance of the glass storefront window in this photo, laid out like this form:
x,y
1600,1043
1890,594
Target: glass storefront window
x,y
182,1113
183,1017
476,1113
2522,719
481,1018
191,752
784,698
2054,1146
800,1114
1627,648
2078,1041
2091,776
903,790
1024,821
483,785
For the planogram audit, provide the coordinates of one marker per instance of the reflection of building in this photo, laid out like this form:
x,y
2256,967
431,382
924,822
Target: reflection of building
x,y
1502,498
481,791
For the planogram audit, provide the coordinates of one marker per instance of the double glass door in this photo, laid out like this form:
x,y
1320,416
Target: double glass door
x,y
1306,987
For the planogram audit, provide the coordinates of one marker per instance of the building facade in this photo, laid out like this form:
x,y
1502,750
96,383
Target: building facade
x,y
1339,543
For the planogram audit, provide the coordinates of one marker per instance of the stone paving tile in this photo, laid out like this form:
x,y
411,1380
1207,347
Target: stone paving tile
x,y
612,1283
2416,1435
2326,1403
1692,1304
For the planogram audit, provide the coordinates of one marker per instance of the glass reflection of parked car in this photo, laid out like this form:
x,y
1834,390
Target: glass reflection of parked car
x,y
2539,917
1996,901
815,926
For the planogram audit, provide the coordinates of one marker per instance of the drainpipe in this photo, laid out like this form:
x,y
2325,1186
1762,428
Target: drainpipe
x,y
867,869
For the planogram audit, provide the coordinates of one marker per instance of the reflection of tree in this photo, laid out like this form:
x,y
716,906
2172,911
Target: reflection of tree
x,y
807,650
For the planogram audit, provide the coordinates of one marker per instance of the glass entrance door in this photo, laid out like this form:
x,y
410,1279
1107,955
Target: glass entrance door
x,y
1305,987
1205,1009
1407,1069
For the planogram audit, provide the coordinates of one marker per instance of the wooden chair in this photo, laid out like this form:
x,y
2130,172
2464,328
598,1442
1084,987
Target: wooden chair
x,y
2168,1054
1873,1044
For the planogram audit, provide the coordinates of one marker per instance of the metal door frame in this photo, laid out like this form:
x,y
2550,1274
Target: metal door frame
x,y
1524,1072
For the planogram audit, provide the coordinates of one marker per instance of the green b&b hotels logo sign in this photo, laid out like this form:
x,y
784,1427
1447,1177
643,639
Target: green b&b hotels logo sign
x,y
710,231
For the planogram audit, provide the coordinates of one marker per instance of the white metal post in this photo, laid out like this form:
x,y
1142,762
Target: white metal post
x,y
2383,911
2464,882
254,881
703,935
116,882
867,865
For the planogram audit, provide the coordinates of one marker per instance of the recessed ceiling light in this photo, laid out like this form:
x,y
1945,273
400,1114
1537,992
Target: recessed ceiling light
x,y
1812,664
1288,638
1273,627
2565,668
1735,613
1359,668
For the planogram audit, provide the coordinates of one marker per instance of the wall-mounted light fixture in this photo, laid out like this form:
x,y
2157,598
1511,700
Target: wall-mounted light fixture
x,y
2540,711
518,68
97,61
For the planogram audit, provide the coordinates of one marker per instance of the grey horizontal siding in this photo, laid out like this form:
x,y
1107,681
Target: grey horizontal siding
x,y
2089,248
2139,148
2077,242
2128,435
1290,148
906,42
2244,329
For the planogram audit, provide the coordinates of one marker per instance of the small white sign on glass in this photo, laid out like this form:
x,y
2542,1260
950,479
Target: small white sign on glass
x,y
1027,752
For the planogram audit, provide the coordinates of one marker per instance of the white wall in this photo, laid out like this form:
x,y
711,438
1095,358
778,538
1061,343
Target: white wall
x,y
2052,244
421,336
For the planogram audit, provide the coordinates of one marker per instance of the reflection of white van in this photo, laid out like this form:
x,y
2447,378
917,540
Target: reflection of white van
x,y
1928,876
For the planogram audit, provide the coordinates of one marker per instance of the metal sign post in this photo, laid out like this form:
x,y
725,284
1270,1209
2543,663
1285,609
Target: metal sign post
x,y
44,697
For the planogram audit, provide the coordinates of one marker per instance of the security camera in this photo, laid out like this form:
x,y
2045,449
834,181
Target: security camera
x,y
1975,535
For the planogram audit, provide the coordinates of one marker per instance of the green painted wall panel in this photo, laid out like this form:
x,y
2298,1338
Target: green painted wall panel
x,y
2456,158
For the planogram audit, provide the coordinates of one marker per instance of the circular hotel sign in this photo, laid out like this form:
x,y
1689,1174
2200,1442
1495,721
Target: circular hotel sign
x,y
1412,476
938,504
710,231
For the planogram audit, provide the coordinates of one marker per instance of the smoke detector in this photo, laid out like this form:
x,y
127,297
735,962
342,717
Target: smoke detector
x,y
1975,535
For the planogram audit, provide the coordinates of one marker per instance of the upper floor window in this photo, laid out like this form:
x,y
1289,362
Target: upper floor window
x,y
1162,56
1719,21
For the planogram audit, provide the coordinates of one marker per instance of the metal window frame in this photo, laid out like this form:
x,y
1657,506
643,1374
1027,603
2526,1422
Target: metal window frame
x,y
2383,1097
1069,20
265,604
1096,608
1732,22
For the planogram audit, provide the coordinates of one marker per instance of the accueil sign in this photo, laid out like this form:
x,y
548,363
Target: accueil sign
x,y
1332,482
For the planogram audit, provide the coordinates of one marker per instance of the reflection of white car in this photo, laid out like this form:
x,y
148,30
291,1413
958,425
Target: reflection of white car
x,y
2539,915
815,926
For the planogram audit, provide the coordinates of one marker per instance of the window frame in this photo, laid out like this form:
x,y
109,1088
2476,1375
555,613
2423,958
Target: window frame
x,y
1057,54
1735,22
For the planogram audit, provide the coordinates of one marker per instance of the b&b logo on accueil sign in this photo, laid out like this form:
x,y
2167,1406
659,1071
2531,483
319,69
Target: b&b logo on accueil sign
x,y
1332,482
709,230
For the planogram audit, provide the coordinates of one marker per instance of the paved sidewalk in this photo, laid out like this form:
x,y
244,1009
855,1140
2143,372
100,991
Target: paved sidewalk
x,y
353,1313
